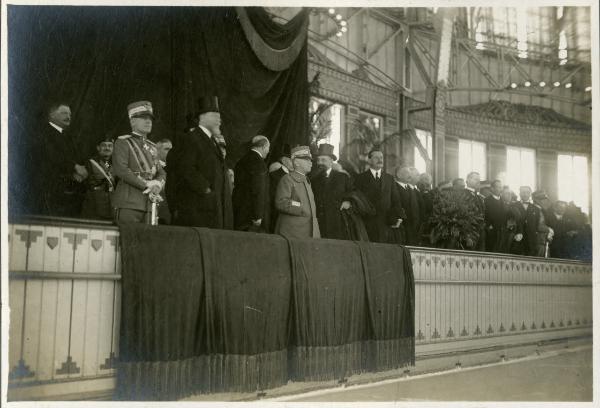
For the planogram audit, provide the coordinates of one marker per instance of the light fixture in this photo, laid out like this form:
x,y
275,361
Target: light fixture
x,y
556,84
588,88
338,17
343,23
339,34
331,11
513,85
568,85
344,29
527,83
542,84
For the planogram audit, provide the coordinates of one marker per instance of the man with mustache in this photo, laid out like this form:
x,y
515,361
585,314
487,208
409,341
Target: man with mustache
x,y
61,172
379,188
136,164
331,189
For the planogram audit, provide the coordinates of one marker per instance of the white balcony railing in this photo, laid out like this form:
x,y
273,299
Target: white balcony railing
x,y
64,295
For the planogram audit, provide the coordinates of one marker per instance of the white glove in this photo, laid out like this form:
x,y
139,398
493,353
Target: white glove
x,y
518,237
153,185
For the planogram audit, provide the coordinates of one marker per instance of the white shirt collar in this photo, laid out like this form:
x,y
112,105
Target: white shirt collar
x,y
470,189
412,186
257,152
327,172
496,197
208,132
402,184
55,126
375,173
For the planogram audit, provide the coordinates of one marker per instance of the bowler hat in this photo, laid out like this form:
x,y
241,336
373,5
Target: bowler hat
x,y
208,104
326,149
140,109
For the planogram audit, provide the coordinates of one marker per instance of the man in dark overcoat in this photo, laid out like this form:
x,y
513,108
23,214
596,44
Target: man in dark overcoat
x,y
331,189
61,168
198,174
529,216
495,217
379,188
100,183
251,201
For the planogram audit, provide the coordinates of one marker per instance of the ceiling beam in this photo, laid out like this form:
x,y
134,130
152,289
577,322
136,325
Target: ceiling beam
x,y
385,41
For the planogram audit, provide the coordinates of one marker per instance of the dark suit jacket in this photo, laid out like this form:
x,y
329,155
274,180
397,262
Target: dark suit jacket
x,y
561,244
56,156
413,205
527,225
495,220
196,164
329,194
383,195
251,193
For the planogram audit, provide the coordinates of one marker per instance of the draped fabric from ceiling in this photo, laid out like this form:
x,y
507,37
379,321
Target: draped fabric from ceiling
x,y
99,59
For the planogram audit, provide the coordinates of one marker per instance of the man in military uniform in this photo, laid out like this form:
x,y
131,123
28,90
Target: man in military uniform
x,y
136,164
100,183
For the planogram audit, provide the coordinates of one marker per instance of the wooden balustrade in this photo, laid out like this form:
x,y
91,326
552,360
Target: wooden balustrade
x,y
64,295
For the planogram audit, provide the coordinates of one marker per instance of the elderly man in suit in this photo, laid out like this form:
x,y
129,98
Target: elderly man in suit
x,y
473,183
295,201
495,217
381,191
135,164
61,171
199,189
331,189
251,204
526,237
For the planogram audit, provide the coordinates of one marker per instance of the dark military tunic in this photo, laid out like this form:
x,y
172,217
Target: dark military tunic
x,y
100,185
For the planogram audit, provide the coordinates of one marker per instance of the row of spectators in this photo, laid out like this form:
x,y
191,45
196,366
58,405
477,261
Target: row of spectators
x,y
303,194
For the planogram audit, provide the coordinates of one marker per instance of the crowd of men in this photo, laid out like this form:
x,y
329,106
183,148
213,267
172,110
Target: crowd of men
x,y
303,194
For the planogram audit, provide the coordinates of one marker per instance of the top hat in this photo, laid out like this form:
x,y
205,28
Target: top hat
x,y
140,109
326,149
301,152
208,104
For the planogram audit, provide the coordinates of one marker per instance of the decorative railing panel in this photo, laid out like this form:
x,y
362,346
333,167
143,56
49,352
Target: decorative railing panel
x,y
64,296
64,299
464,295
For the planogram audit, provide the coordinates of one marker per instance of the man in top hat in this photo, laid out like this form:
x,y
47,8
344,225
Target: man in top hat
x,y
199,186
379,188
251,203
100,183
295,201
331,189
136,165
61,172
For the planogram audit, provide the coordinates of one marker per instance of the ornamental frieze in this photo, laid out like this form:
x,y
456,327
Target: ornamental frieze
x,y
342,87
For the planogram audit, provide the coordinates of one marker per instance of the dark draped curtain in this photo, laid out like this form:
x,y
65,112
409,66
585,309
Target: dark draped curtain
x,y
99,59
195,319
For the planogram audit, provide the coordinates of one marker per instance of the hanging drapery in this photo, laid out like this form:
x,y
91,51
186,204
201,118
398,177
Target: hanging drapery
x,y
196,319
276,46
99,59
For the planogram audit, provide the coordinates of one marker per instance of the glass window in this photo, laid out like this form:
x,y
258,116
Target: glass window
x,y
520,168
573,180
326,123
471,157
427,142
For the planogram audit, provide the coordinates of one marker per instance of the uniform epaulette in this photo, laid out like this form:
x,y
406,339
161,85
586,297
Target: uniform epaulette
x,y
124,137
